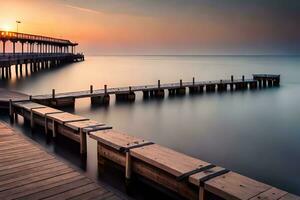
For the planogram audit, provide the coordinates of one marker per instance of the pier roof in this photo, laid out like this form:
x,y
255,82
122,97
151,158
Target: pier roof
x,y
30,38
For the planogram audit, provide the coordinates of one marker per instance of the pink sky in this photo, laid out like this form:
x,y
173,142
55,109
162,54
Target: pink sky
x,y
119,28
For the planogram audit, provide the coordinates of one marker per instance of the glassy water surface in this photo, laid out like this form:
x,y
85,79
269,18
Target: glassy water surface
x,y
255,133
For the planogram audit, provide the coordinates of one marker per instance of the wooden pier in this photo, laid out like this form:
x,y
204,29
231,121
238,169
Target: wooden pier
x,y
28,172
102,96
189,177
37,53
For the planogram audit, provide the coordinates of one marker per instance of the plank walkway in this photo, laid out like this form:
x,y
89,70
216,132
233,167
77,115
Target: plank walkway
x,y
117,90
27,172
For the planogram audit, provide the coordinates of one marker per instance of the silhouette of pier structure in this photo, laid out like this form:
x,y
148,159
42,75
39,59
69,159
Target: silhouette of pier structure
x,y
31,53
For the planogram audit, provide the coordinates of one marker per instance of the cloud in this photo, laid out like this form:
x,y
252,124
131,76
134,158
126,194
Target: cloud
x,y
82,9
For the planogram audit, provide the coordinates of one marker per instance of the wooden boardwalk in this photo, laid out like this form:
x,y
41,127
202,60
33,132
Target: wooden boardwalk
x,y
28,172
189,177
102,96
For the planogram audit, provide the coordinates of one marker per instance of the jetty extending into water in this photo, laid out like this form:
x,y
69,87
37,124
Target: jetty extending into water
x,y
36,53
29,172
189,177
102,96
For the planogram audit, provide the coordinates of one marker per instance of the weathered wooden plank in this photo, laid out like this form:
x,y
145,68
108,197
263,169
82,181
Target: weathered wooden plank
x,y
63,118
235,186
81,189
167,159
117,140
290,197
28,105
91,194
271,194
24,174
5,173
62,191
45,111
45,182
83,124
33,179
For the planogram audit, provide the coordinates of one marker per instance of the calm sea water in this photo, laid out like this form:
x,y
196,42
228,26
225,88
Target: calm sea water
x,y
255,133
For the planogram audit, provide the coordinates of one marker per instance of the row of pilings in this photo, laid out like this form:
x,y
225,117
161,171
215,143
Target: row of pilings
x,y
30,66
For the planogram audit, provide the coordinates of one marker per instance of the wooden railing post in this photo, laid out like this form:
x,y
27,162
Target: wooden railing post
x,y
105,89
53,93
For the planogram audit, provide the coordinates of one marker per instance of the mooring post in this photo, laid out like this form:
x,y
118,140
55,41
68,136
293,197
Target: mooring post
x,y
105,89
231,78
53,93
158,84
128,166
129,89
91,89
180,83
243,78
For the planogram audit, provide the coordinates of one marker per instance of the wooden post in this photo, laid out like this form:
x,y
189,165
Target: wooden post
x,y
105,89
83,149
30,97
243,78
11,111
53,129
53,93
129,89
91,89
180,82
128,166
46,126
31,119
193,81
158,84
231,78
201,193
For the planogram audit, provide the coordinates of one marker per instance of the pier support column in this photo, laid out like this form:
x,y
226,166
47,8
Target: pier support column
x,y
126,96
221,86
159,93
145,94
253,85
270,83
210,88
100,100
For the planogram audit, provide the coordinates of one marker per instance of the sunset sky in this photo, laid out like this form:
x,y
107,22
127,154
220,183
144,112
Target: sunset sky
x,y
162,26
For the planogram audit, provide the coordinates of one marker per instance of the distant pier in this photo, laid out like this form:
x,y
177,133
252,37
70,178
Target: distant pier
x,y
35,53
102,96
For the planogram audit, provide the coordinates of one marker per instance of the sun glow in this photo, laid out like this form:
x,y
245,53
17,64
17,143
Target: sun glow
x,y
6,27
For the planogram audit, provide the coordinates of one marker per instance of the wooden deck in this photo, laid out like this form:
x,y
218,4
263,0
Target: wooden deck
x,y
7,95
28,172
189,177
